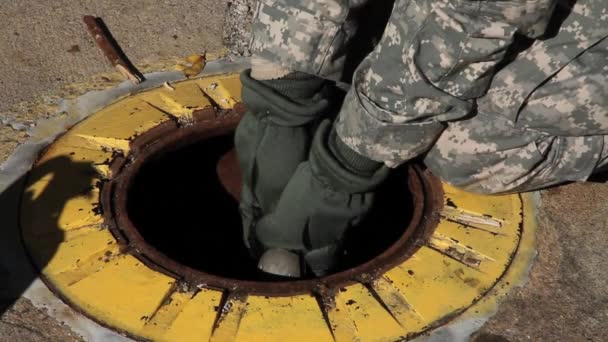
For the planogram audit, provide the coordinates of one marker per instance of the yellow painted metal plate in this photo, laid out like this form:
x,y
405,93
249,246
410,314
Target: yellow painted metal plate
x,y
200,312
474,246
272,319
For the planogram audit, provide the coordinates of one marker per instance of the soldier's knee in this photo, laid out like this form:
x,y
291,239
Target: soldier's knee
x,y
472,173
536,165
470,180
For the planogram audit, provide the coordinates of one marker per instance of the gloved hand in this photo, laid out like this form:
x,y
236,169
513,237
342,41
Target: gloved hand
x,y
327,195
273,138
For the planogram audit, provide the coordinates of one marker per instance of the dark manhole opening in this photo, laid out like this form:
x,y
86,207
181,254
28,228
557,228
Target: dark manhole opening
x,y
176,204
179,206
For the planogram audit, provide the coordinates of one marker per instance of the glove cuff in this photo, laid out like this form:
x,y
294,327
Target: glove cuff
x,y
349,172
296,85
350,159
266,98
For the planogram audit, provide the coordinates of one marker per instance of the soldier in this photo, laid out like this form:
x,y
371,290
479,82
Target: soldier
x,y
493,96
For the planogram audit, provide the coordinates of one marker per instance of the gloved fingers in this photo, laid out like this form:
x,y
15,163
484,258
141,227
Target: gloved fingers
x,y
269,155
279,153
310,215
334,215
247,210
271,232
323,260
246,138
285,226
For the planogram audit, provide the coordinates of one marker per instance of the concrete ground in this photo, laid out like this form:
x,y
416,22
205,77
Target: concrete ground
x,y
47,54
566,298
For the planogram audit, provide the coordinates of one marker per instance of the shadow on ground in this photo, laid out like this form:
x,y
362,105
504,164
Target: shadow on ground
x,y
16,271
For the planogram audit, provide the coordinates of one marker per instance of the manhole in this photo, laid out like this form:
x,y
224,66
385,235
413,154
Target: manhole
x,y
131,218
175,201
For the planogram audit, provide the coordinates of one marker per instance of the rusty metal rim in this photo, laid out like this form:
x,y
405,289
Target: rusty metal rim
x,y
426,190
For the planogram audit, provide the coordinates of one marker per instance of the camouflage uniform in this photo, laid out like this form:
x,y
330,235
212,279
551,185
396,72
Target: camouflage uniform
x,y
497,96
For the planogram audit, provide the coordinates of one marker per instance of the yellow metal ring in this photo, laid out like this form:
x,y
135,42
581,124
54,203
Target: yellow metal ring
x,y
472,259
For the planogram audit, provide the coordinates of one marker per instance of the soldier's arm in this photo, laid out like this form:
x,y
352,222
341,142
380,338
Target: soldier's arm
x,y
434,60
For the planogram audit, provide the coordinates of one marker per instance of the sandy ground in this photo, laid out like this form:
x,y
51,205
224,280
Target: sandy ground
x,y
47,54
45,47
566,298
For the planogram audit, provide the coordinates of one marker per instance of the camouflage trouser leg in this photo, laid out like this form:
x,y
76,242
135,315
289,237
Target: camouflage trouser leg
x,y
490,154
544,120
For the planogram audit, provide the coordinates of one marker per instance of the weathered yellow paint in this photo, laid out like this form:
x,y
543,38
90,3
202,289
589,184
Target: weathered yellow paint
x,y
369,315
105,143
229,319
272,319
232,85
225,90
77,251
56,205
73,164
124,119
340,322
457,251
73,268
114,126
496,207
480,241
187,95
398,305
481,231
126,293
195,321
181,102
436,285
170,309
103,170
519,267
72,155
496,254
471,219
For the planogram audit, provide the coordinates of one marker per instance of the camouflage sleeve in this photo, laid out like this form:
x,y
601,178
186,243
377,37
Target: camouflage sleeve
x,y
307,36
435,58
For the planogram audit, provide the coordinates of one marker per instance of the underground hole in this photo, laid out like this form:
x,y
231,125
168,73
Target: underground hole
x,y
179,205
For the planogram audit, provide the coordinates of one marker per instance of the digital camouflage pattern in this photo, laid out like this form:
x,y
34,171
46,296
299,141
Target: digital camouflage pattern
x,y
302,35
500,95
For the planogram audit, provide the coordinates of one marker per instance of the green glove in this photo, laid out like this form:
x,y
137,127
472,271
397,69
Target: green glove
x,y
273,138
328,194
